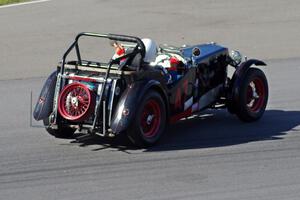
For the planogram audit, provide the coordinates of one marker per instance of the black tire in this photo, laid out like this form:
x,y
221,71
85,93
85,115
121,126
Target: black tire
x,y
252,96
60,132
150,121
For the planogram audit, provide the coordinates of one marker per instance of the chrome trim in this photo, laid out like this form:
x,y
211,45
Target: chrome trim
x,y
111,100
94,69
55,100
104,119
210,97
97,79
100,87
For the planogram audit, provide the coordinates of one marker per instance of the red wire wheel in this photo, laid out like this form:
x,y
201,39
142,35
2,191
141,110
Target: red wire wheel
x,y
76,102
253,92
256,92
150,119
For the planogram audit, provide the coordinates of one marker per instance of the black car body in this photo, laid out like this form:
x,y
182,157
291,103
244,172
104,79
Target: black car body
x,y
128,95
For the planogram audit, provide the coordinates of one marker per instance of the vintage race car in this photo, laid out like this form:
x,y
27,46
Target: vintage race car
x,y
143,88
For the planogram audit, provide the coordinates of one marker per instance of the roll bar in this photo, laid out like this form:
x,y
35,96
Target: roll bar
x,y
140,48
122,38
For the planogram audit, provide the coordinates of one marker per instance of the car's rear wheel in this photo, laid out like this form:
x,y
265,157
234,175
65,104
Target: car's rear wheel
x,y
253,96
149,122
60,132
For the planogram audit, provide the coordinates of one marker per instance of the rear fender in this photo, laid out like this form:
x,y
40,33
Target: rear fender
x,y
237,80
44,105
130,100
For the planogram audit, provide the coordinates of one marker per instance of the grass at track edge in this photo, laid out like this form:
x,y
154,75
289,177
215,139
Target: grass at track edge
x,y
5,2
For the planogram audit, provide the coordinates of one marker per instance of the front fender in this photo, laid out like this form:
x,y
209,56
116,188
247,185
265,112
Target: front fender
x,y
44,105
237,80
128,104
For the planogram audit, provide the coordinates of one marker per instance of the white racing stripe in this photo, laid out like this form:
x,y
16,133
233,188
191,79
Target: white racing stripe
x,y
188,103
209,97
24,3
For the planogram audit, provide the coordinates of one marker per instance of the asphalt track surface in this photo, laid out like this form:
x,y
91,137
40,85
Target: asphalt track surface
x,y
210,157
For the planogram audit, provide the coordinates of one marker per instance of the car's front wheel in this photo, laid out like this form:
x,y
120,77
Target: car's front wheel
x,y
149,122
253,96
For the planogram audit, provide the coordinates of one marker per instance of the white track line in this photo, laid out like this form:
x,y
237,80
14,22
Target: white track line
x,y
24,3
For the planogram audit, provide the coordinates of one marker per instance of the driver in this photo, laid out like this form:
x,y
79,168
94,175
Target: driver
x,y
119,49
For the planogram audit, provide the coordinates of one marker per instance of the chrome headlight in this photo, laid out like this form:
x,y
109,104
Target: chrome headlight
x,y
236,57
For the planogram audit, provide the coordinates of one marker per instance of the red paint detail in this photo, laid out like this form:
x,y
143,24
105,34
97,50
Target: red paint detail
x,y
178,104
185,87
78,78
179,116
151,109
79,111
172,68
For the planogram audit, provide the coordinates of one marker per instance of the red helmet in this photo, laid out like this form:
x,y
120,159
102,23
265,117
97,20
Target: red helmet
x,y
173,63
174,60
